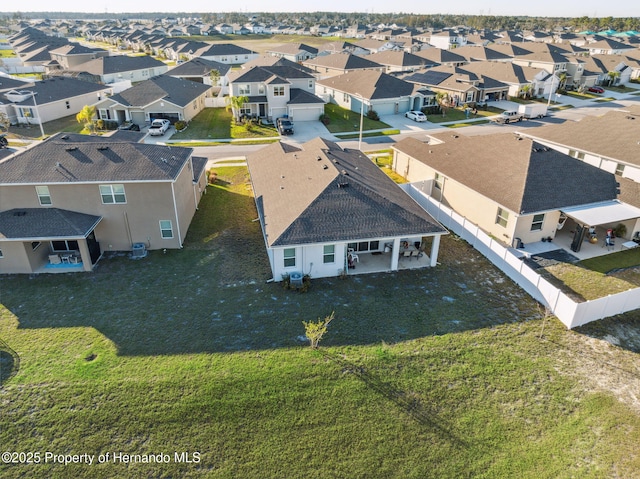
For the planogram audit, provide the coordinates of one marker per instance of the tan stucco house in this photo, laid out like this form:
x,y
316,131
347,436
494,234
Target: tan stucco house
x,y
513,188
66,201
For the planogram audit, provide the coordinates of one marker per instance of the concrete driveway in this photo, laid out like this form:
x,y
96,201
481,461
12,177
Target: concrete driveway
x,y
308,130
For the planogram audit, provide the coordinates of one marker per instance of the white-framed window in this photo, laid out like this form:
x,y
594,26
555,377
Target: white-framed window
x,y
502,217
104,114
261,89
536,223
27,112
112,194
278,91
35,245
620,169
289,257
67,104
311,84
244,89
346,98
166,229
1,255
43,195
329,253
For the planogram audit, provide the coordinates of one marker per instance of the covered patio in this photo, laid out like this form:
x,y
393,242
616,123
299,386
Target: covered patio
x,y
47,240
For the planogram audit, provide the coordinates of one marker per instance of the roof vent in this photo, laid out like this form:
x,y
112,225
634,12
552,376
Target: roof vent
x,y
64,137
103,147
19,213
325,167
344,172
318,158
71,148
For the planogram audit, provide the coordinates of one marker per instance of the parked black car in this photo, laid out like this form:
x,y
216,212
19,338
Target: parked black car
x,y
129,126
4,143
285,126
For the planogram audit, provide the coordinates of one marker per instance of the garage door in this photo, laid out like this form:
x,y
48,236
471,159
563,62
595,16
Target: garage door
x,y
306,114
172,117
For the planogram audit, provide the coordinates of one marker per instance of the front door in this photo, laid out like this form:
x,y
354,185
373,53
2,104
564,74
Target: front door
x,y
262,113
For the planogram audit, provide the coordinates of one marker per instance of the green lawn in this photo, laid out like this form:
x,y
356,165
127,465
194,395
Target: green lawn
x,y
455,114
345,121
216,123
68,124
7,53
346,136
444,372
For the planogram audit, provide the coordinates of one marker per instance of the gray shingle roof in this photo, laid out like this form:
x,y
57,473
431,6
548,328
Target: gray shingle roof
x,y
45,223
320,193
614,135
342,61
58,88
117,64
370,84
298,96
73,158
174,90
506,169
199,67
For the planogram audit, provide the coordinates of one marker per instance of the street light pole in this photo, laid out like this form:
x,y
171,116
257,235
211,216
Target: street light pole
x,y
35,104
551,89
361,120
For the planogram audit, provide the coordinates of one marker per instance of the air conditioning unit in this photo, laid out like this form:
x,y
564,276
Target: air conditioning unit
x,y
139,250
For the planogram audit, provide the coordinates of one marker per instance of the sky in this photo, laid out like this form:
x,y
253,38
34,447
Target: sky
x,y
544,8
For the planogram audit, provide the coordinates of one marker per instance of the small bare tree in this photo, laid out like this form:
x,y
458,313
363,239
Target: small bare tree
x,y
314,331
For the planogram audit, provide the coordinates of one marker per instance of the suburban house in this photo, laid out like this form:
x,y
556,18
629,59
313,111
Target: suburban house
x,y
374,90
199,70
325,210
49,100
67,200
161,97
398,61
119,68
518,79
459,85
295,52
608,46
448,39
609,142
437,56
473,53
340,63
515,189
73,54
226,53
276,91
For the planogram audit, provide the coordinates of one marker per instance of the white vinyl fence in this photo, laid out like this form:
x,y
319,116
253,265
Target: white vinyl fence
x,y
571,313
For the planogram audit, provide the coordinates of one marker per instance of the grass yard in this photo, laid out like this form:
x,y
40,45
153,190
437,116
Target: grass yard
x,y
68,124
216,123
597,277
6,53
455,114
342,120
444,372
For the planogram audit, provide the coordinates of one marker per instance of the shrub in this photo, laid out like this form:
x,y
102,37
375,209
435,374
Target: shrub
x,y
325,119
180,125
373,115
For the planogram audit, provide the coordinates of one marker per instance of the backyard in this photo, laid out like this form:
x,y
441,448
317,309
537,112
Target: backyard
x,y
445,372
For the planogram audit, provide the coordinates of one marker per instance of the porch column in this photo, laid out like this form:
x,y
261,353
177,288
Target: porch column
x,y
394,254
434,250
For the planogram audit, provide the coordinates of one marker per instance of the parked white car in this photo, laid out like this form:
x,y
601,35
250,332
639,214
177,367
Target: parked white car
x,y
159,127
416,116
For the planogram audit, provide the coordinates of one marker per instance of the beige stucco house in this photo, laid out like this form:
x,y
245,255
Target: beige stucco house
x,y
160,97
511,187
69,199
